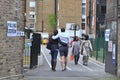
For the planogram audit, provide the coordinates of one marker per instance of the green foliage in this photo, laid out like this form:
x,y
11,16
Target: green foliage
x,y
52,21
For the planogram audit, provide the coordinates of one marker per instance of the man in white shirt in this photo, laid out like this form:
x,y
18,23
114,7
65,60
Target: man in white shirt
x,y
63,47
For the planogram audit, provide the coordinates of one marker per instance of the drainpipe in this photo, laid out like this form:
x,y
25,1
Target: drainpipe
x,y
56,7
42,18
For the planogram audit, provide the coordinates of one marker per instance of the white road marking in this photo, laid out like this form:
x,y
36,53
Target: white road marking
x,y
69,67
97,64
49,62
85,67
46,58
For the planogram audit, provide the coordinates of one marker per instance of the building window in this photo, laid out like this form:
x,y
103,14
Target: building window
x,y
83,4
32,4
103,9
32,15
83,10
83,25
83,1
83,20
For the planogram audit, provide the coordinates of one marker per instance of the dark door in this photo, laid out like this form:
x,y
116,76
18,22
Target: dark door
x,y
35,50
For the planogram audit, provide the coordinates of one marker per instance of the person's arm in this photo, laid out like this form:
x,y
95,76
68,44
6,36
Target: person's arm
x,y
55,37
81,47
90,46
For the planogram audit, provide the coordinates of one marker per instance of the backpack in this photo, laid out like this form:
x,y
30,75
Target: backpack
x,y
49,43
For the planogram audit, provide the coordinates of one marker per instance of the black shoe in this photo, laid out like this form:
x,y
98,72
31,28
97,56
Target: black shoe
x,y
53,70
64,69
76,63
85,64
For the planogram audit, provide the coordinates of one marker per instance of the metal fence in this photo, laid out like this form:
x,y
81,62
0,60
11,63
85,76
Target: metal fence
x,y
99,49
26,57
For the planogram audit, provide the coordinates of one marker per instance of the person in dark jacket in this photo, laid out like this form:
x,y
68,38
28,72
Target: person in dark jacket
x,y
63,47
54,51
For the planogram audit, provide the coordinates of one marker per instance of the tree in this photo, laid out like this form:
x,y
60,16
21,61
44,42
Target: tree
x,y
52,21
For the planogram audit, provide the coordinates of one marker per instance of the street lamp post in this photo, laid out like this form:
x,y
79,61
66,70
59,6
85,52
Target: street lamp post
x,y
56,7
41,14
42,17
75,27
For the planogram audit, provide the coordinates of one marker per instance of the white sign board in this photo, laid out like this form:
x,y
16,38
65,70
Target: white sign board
x,y
69,26
107,34
113,52
12,28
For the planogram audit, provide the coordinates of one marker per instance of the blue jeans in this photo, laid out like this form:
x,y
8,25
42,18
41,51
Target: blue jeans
x,y
76,58
54,54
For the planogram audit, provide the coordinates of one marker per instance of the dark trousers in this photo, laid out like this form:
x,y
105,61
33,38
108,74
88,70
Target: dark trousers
x,y
85,60
76,58
54,54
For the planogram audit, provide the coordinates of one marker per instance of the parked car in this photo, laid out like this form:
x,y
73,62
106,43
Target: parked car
x,y
44,41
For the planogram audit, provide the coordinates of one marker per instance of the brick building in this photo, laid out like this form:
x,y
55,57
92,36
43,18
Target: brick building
x,y
44,9
69,11
11,45
31,14
66,11
37,12
91,17
95,20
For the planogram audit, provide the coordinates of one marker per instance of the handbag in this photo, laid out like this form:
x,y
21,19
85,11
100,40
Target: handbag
x,y
48,46
49,43
71,57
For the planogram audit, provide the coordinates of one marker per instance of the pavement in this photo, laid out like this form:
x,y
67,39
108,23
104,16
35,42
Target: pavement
x,y
94,71
70,78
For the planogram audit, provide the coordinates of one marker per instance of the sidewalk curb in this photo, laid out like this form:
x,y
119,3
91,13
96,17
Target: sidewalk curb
x,y
98,62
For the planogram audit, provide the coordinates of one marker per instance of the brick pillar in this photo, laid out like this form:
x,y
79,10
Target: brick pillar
x,y
11,48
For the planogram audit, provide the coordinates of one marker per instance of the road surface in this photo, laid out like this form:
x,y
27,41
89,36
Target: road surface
x,y
94,70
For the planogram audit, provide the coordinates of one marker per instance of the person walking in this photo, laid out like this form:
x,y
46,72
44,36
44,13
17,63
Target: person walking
x,y
76,49
63,47
54,50
86,47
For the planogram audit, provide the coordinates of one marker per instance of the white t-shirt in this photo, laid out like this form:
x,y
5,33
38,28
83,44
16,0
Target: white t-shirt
x,y
63,37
